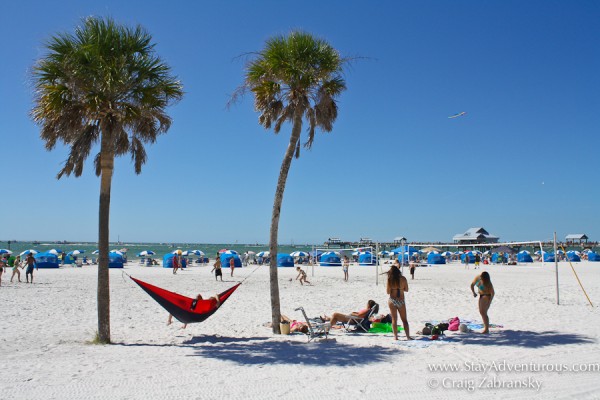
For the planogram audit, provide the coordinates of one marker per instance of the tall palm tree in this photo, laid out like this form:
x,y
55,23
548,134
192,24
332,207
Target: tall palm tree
x,y
295,78
103,85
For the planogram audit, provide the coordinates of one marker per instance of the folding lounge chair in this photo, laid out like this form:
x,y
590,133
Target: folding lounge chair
x,y
360,324
316,329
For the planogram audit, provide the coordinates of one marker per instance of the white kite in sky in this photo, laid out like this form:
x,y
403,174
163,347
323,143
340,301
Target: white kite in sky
x,y
460,114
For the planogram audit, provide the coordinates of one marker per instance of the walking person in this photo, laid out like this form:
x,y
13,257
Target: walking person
x,y
3,267
486,295
396,286
15,268
217,269
477,260
345,267
176,263
467,261
30,261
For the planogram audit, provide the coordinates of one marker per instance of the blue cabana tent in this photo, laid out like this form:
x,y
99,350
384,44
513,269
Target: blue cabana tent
x,y
68,259
115,260
499,258
330,259
548,257
168,261
285,260
404,249
366,258
572,256
593,256
225,257
471,257
434,258
524,257
46,260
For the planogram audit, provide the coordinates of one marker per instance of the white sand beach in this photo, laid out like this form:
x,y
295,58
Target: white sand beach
x,y
46,327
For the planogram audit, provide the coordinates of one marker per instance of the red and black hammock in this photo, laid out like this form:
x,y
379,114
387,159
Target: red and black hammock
x,y
181,307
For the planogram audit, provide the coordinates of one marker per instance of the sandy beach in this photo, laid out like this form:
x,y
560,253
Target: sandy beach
x,y
46,329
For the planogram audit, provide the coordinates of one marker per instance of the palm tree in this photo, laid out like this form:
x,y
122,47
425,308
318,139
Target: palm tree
x,y
295,78
103,85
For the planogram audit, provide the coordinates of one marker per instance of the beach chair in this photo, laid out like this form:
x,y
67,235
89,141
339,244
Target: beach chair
x,y
316,329
360,324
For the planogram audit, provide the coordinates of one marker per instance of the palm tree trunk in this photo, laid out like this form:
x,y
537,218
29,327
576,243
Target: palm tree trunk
x,y
107,165
283,173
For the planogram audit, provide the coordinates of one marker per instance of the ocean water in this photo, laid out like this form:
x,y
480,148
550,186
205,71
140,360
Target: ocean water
x,y
160,249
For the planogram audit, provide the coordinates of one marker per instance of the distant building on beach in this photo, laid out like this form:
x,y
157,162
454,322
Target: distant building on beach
x,y
475,235
576,238
399,240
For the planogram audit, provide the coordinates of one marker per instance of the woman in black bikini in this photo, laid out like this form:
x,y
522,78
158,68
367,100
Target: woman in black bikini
x,y
396,286
486,295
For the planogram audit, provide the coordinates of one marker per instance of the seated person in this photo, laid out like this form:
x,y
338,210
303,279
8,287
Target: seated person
x,y
295,326
339,317
193,306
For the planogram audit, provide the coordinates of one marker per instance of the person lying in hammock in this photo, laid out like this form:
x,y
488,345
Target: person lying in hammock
x,y
193,307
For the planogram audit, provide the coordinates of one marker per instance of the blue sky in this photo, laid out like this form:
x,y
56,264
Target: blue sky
x,y
523,162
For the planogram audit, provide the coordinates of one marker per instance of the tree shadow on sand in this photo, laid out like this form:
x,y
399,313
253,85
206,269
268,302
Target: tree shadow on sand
x,y
257,351
528,339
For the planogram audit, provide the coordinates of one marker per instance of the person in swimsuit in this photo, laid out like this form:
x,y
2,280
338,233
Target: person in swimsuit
x,y
3,266
413,266
193,307
486,295
30,264
301,276
176,263
339,317
232,264
217,269
15,269
345,267
396,286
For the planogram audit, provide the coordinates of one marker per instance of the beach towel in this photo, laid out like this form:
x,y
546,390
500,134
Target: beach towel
x,y
383,327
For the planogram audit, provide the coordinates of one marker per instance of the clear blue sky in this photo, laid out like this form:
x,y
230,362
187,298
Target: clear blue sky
x,y
523,162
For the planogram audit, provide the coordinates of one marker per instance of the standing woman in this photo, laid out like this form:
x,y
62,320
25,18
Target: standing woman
x,y
396,286
15,269
345,267
175,263
232,264
486,295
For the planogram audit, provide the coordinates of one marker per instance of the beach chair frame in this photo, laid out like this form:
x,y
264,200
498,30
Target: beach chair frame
x,y
357,324
315,329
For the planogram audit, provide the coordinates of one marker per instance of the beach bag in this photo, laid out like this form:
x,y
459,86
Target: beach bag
x,y
428,329
453,324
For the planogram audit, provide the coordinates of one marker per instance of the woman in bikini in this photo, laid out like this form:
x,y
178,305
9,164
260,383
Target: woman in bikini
x,y
15,269
486,295
340,317
396,286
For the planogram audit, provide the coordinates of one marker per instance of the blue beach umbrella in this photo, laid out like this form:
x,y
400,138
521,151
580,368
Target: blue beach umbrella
x,y
263,254
75,252
5,251
117,252
24,253
55,251
95,251
146,253
299,254
197,252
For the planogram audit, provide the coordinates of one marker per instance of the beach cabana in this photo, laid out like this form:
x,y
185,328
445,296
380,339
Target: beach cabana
x,y
471,257
366,258
592,256
225,257
115,260
524,257
285,260
435,258
499,258
330,259
404,249
46,260
548,257
573,256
